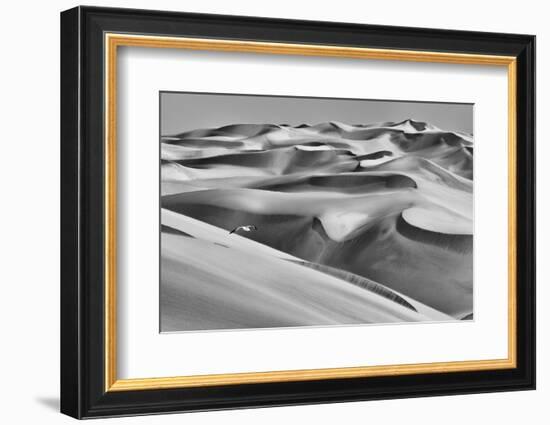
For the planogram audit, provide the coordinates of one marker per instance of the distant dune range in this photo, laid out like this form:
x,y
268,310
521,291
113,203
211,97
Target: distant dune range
x,y
390,203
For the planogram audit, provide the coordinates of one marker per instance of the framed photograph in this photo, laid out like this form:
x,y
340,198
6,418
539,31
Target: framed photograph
x,y
261,212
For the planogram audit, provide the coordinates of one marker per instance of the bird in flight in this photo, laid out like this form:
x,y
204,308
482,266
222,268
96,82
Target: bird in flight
x,y
247,228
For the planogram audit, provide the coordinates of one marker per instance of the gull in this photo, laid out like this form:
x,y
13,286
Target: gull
x,y
247,228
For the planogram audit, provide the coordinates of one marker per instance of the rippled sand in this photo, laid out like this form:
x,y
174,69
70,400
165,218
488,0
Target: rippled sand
x,y
354,224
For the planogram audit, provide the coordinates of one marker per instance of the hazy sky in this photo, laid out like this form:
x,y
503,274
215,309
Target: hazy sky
x,y
187,111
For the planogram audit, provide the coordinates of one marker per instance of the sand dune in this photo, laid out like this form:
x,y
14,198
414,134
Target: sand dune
x,y
263,291
278,161
396,138
388,205
179,224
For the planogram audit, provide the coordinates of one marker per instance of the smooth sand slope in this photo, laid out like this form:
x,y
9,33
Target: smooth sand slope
x,y
389,203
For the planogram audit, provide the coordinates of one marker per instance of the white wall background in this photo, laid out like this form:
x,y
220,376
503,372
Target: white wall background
x,y
29,215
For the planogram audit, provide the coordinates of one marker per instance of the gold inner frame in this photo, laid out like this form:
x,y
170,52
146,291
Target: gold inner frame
x,y
113,41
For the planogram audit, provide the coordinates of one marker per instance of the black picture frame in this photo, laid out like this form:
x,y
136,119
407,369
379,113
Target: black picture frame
x,y
83,392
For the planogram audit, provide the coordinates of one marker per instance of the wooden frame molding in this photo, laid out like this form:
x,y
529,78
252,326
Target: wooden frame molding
x,y
111,43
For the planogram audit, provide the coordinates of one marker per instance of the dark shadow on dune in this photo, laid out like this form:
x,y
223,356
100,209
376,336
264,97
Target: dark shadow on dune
x,y
355,183
329,143
417,125
417,164
242,130
460,161
375,155
359,281
282,160
202,143
462,244
410,142
170,230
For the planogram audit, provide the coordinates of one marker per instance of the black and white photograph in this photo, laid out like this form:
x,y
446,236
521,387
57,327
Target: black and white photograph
x,y
275,209
300,211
